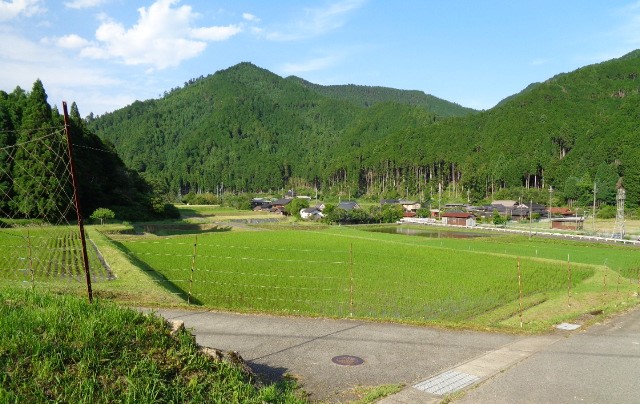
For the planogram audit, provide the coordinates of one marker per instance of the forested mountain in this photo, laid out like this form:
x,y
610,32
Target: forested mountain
x,y
252,130
370,95
32,190
248,129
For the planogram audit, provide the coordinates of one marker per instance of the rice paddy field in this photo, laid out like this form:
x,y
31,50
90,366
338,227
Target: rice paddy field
x,y
493,281
46,254
397,273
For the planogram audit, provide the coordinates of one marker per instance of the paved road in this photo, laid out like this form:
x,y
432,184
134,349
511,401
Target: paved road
x,y
601,364
304,347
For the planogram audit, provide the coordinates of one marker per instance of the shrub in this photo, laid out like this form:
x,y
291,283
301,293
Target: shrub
x,y
606,212
293,208
102,214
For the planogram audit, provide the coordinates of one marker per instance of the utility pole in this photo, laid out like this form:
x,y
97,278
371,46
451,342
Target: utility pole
x,y
593,219
439,199
550,193
530,218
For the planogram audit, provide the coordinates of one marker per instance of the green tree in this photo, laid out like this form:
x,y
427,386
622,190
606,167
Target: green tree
x,y
293,208
391,213
39,171
7,139
498,219
103,214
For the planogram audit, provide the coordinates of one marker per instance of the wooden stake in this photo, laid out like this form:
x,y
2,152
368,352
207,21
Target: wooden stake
x,y
193,268
520,288
351,280
568,281
31,271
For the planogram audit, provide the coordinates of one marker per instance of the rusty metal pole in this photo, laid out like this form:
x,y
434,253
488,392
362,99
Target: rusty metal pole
x,y
76,201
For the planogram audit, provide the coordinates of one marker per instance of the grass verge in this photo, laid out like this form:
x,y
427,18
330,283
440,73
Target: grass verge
x,y
62,349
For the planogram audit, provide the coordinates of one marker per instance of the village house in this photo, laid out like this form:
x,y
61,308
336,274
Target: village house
x,y
559,211
277,206
348,205
407,205
260,204
459,219
567,223
313,213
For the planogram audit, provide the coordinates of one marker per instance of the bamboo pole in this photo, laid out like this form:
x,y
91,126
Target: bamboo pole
x,y
351,280
520,289
193,267
568,281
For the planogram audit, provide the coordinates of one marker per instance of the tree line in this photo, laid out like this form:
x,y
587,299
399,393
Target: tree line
x,y
34,181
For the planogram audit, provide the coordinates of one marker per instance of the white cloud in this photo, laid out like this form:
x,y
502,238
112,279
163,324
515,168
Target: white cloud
x,y
310,65
318,21
216,33
12,9
72,41
162,37
250,17
78,4
25,61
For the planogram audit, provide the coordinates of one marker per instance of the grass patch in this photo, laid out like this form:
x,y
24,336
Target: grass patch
x,y
62,349
367,395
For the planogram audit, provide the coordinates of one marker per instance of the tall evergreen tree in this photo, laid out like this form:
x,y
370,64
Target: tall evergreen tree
x,y
7,139
39,171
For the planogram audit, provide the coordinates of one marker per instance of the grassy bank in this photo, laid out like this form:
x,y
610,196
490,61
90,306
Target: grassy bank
x,y
62,349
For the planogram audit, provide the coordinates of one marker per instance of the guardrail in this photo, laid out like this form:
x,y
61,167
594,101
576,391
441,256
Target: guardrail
x,y
432,222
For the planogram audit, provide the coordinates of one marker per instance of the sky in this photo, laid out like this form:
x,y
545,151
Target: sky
x,y
105,54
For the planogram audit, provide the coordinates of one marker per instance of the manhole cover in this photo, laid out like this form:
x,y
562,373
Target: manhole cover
x,y
347,360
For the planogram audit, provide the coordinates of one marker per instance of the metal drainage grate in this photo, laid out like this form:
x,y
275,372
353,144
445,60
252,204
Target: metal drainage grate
x,y
347,360
447,382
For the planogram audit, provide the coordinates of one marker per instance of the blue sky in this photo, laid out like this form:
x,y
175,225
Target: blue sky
x,y
105,54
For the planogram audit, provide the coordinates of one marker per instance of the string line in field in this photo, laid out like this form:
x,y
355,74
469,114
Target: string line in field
x,y
202,245
213,271
237,258
275,299
257,286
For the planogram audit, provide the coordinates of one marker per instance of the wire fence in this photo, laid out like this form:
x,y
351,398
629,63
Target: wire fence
x,y
39,242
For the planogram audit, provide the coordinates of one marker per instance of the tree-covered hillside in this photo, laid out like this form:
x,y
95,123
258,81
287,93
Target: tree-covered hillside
x,y
250,129
247,129
30,190
370,95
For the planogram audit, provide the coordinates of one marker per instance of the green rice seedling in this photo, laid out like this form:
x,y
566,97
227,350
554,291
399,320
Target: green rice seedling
x,y
338,271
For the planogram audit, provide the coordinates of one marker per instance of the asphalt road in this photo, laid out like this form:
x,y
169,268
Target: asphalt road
x,y
598,365
304,348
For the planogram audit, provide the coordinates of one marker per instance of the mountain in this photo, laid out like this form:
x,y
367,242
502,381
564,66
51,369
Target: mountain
x,y
370,95
250,129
